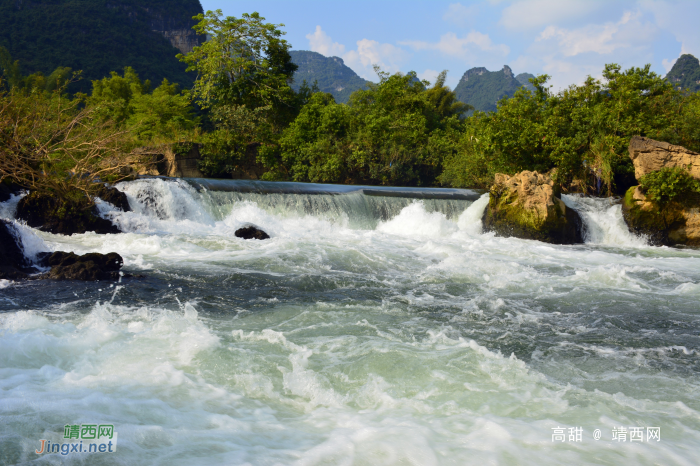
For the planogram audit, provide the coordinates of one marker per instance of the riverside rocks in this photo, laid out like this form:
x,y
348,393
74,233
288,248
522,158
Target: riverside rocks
x,y
526,205
251,232
66,217
677,225
64,265
90,267
649,155
13,264
679,222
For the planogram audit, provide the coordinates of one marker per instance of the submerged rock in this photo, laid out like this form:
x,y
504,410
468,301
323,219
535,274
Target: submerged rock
x,y
527,206
678,224
8,189
66,217
13,264
92,266
251,232
115,197
649,155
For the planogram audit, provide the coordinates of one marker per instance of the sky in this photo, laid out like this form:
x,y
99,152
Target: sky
x,y
565,39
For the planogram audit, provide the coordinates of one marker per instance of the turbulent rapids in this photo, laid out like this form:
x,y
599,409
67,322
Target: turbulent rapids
x,y
368,330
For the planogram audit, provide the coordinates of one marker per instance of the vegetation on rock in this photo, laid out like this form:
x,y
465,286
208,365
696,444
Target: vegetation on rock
x,y
685,73
528,206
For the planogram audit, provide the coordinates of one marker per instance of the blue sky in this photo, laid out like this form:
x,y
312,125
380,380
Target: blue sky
x,y
566,39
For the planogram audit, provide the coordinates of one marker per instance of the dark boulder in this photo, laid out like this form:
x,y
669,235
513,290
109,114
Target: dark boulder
x,y
13,264
92,266
66,217
115,197
251,232
7,189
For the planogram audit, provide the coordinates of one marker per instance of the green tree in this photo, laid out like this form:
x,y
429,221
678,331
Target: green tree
x,y
395,133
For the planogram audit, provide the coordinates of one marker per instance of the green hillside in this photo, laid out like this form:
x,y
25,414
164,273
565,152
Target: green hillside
x,y
99,36
331,73
685,73
482,88
523,78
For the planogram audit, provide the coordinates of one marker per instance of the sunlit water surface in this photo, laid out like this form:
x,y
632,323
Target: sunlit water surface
x,y
366,331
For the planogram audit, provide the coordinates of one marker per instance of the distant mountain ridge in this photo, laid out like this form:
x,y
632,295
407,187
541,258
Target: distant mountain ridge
x,y
331,74
482,88
685,73
99,36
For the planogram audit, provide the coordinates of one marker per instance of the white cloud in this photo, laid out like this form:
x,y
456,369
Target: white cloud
x,y
321,42
459,14
428,75
668,64
370,53
362,60
533,14
605,38
570,55
466,47
678,18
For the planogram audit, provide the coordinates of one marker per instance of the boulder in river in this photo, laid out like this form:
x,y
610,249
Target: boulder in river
x,y
7,189
115,197
13,264
90,267
677,224
526,205
251,232
66,217
649,155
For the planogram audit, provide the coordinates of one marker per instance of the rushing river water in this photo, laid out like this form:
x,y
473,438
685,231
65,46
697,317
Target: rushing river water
x,y
366,331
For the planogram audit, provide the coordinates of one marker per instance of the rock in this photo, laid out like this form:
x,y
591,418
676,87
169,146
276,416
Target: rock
x,y
13,264
251,232
678,224
174,160
8,189
50,214
90,267
115,197
527,206
649,155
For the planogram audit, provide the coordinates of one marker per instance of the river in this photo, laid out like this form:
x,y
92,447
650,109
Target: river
x,y
367,331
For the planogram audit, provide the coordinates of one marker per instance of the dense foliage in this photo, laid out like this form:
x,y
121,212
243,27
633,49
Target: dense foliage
x,y
396,132
669,185
97,36
580,131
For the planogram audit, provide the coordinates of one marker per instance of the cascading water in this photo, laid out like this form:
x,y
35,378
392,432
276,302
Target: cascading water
x,y
367,330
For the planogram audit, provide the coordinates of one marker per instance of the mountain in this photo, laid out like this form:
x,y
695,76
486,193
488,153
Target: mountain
x,y
685,73
99,36
331,73
482,88
523,78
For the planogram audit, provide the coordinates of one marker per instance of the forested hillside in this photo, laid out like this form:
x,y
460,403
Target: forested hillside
x,y
331,74
100,36
685,73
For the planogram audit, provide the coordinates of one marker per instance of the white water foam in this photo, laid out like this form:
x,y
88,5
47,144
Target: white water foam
x,y
603,220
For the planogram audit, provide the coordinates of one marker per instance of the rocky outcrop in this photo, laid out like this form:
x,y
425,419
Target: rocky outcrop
x,y
251,232
649,155
115,197
89,267
13,264
528,206
7,190
175,160
677,225
61,216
